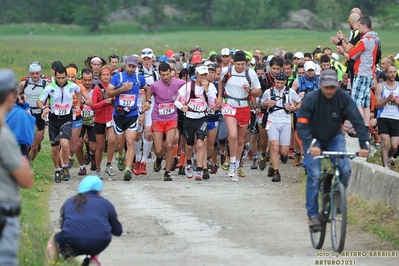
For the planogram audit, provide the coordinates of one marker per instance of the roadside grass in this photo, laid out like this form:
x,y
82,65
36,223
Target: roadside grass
x,y
22,44
35,226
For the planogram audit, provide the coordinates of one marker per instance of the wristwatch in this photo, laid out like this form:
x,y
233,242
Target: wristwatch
x,y
149,101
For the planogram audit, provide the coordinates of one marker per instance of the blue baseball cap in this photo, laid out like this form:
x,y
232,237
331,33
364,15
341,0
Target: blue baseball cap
x,y
8,81
90,183
163,58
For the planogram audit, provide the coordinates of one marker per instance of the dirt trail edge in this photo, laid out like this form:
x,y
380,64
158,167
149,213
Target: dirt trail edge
x,y
216,222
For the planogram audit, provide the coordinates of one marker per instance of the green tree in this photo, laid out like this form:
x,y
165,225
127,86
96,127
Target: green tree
x,y
91,14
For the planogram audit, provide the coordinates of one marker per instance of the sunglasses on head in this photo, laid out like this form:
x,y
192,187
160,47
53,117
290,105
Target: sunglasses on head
x,y
146,52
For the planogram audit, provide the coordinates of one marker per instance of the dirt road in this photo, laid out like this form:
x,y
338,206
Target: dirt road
x,y
216,222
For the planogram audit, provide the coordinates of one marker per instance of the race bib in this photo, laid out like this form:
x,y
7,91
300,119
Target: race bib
x,y
259,117
227,109
127,99
62,109
197,105
87,111
268,124
166,108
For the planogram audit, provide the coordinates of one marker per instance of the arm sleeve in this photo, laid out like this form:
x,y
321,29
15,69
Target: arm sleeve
x,y
181,98
43,96
357,50
97,103
303,121
113,220
212,100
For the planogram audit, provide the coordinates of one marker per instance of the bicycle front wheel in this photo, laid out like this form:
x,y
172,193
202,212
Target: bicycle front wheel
x,y
317,236
338,218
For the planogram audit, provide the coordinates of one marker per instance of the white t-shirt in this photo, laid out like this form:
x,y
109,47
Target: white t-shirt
x,y
279,116
197,103
234,86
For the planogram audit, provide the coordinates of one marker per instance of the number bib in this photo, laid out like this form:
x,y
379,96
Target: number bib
x,y
227,109
166,108
268,124
127,99
259,117
197,105
62,109
87,111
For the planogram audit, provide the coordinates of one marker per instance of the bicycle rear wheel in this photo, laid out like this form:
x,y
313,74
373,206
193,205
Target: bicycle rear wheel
x,y
317,236
338,218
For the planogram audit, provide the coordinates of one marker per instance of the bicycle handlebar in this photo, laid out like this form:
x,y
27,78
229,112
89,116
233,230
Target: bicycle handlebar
x,y
328,154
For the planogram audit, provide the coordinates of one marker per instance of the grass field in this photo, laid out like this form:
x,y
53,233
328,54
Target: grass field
x,y
70,43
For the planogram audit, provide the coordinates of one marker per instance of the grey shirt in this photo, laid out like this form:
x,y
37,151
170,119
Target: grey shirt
x,y
10,160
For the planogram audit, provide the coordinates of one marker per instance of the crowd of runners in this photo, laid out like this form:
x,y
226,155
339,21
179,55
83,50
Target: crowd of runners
x,y
199,112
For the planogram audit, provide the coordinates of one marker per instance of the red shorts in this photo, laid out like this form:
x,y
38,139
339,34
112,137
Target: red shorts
x,y
163,126
243,116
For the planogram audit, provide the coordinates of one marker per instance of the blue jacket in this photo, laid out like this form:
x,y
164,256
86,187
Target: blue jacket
x,y
97,219
22,124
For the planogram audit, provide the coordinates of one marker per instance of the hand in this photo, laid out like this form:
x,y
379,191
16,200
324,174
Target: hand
x,y
184,108
301,94
340,35
363,153
246,88
146,106
77,109
220,102
127,86
270,103
108,100
258,111
392,57
315,151
141,119
290,107
390,98
340,50
334,40
215,107
373,122
44,113
205,84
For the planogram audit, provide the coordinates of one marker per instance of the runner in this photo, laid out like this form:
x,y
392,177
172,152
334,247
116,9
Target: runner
x,y
235,106
60,93
194,99
125,88
31,88
164,116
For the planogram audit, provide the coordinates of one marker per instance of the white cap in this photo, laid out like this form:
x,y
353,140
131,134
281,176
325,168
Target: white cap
x,y
298,55
147,52
269,58
397,57
201,70
335,56
225,51
35,67
310,65
206,63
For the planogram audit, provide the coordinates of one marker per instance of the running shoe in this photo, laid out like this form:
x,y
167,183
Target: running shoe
x,y
127,175
182,170
157,164
167,177
205,174
87,157
109,170
65,174
137,168
70,162
276,176
270,172
226,164
98,173
198,176
121,162
284,159
262,162
232,170
143,168
240,173
214,169
189,171
82,171
57,177
254,164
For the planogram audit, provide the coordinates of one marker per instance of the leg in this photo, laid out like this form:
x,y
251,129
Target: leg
x,y
129,135
52,252
35,145
170,138
394,146
111,144
384,149
231,124
312,184
241,134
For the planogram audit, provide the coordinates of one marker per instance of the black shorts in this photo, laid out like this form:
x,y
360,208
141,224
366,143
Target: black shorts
x,y
40,123
56,127
388,126
100,129
72,247
195,128
253,125
90,133
122,124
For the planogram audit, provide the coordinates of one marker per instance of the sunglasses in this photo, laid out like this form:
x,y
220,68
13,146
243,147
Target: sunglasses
x,y
146,52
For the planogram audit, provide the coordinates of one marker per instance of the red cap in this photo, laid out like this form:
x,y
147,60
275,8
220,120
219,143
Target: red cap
x,y
169,53
196,59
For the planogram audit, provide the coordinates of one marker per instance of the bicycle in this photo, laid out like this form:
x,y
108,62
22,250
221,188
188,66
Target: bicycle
x,y
332,202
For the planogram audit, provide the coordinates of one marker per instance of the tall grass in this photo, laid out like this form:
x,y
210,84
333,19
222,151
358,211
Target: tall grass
x,y
72,44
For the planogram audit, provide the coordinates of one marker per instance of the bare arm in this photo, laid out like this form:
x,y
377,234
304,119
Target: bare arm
x,y
24,174
111,91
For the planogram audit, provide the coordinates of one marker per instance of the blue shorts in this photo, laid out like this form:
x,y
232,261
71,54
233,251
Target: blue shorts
x,y
212,125
361,91
77,123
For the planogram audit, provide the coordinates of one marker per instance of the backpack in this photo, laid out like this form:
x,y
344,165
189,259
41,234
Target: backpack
x,y
306,87
228,75
121,79
102,89
27,82
154,71
276,98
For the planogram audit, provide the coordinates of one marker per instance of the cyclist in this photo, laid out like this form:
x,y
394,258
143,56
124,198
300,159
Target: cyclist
x,y
321,116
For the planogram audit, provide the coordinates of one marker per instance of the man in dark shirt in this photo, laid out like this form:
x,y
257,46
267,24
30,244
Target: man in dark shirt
x,y
321,116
